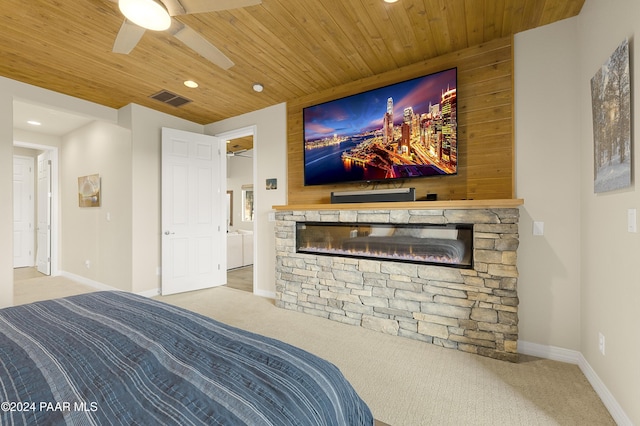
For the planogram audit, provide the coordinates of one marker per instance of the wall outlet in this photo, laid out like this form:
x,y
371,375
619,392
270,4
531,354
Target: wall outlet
x,y
87,264
601,343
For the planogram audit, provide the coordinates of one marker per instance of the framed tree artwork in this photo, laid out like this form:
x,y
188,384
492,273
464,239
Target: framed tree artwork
x,y
611,110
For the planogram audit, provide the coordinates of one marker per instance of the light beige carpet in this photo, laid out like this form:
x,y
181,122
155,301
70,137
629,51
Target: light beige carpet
x,y
34,287
405,382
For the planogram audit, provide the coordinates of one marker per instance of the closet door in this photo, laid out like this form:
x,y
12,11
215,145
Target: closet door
x,y
23,212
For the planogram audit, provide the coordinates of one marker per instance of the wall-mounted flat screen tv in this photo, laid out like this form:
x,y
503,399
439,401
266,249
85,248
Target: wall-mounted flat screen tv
x,y
401,131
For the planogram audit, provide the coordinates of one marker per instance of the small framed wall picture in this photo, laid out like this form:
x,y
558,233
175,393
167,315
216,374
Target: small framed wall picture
x,y
89,191
272,183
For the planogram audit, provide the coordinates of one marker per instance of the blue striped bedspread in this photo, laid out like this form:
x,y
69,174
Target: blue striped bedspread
x,y
114,358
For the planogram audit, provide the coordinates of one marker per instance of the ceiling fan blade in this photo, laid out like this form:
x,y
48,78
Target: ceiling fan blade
x,y
203,6
199,44
174,7
127,38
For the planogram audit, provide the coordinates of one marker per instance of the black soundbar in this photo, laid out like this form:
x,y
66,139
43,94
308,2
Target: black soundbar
x,y
374,196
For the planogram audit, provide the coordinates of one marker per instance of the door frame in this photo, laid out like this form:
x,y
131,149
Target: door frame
x,y
55,201
240,133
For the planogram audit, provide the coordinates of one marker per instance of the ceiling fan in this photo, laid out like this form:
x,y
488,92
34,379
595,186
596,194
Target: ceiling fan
x,y
140,14
239,153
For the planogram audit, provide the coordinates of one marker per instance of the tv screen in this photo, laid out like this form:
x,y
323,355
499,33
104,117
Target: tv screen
x,y
404,130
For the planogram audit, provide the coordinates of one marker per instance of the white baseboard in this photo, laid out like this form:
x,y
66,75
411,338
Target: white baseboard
x,y
575,357
88,282
263,293
607,398
100,286
549,352
150,293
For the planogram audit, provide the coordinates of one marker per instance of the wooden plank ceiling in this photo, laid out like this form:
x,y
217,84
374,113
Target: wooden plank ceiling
x,y
293,47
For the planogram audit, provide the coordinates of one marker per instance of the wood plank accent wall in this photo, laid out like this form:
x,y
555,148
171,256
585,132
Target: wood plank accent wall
x,y
485,127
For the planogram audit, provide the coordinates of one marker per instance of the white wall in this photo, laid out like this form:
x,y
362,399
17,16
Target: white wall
x,y
270,151
35,138
581,278
99,235
610,293
548,178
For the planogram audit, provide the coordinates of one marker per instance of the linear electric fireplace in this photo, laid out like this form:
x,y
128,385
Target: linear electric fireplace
x,y
471,305
450,245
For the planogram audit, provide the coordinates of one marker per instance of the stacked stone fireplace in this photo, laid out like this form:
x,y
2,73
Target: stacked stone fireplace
x,y
472,309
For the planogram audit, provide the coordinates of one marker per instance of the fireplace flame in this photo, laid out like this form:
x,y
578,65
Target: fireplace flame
x,y
408,256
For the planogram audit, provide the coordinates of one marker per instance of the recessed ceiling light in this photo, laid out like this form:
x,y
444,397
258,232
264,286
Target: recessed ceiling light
x,y
257,87
149,14
34,123
390,1
191,84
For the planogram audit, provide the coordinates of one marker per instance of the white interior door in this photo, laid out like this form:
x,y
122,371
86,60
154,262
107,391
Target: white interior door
x,y
23,212
193,213
43,251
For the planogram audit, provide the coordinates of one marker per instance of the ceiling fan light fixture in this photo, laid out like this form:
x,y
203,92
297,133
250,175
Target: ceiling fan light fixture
x,y
148,14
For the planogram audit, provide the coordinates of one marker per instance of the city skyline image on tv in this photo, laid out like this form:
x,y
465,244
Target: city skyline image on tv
x,y
404,130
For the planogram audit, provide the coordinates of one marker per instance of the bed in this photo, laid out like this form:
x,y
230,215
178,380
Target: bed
x,y
117,358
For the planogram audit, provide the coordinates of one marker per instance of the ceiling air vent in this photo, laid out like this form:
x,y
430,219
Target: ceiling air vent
x,y
170,98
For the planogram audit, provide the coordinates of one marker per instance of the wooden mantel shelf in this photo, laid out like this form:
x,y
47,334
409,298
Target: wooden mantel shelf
x,y
410,205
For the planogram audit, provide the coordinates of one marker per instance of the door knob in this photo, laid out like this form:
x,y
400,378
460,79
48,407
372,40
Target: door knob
x,y
168,233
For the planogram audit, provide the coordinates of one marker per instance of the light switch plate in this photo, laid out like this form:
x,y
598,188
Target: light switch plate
x,y
632,220
538,228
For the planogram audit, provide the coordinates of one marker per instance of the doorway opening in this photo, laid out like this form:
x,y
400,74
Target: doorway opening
x,y
38,128
241,226
45,205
